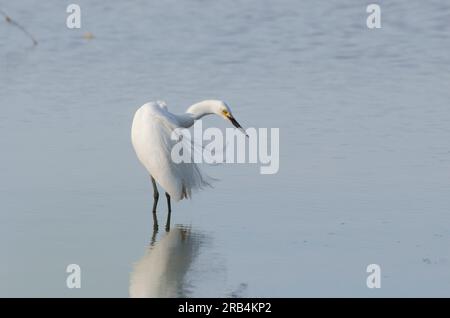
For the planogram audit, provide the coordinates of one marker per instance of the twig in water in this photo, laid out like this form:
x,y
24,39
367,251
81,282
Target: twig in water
x,y
11,21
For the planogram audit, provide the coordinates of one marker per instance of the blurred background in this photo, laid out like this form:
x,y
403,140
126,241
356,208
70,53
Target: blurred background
x,y
364,148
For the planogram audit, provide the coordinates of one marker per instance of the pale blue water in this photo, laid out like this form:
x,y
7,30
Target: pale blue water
x,y
364,148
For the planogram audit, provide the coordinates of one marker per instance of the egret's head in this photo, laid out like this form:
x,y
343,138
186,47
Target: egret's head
x,y
224,111
217,107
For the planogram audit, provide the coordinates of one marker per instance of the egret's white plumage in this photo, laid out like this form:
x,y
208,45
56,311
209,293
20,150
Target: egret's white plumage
x,y
151,132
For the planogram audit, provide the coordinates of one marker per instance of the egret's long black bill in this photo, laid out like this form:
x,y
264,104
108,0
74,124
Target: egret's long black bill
x,y
237,125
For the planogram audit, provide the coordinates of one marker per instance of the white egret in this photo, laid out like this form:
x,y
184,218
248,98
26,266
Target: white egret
x,y
151,132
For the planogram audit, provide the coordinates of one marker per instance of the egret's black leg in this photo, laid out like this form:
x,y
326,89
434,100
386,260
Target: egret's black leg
x,y
168,203
169,211
155,229
155,195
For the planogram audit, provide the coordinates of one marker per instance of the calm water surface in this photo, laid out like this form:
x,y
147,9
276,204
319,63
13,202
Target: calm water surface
x,y
364,149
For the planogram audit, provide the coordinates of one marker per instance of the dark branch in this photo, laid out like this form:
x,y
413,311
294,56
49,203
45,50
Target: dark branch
x,y
12,22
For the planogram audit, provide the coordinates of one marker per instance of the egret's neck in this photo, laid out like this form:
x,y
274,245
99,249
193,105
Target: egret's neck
x,y
195,112
199,110
185,120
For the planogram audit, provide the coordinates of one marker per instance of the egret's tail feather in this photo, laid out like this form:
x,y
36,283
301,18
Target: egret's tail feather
x,y
193,179
190,173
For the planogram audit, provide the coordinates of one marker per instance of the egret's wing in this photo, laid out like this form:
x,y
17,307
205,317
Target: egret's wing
x,y
154,135
162,104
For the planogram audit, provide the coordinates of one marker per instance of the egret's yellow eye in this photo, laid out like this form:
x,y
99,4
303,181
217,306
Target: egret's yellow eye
x,y
225,112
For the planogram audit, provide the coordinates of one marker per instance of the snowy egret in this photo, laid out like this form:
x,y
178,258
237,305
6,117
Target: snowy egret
x,y
151,132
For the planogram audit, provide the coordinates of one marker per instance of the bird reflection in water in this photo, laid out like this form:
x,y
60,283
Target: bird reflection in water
x,y
162,271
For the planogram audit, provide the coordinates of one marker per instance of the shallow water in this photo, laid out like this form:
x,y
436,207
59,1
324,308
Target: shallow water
x,y
364,149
